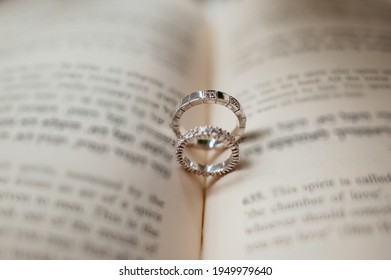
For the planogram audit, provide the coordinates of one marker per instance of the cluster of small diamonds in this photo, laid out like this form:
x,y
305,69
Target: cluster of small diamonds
x,y
234,102
207,132
209,94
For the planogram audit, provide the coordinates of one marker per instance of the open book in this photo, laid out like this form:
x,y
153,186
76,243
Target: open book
x,y
87,157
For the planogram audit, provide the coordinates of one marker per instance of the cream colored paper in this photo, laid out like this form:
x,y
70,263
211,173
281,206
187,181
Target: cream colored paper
x,y
87,165
314,181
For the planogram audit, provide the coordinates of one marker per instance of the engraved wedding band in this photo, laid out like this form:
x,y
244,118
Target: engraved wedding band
x,y
210,97
208,136
203,133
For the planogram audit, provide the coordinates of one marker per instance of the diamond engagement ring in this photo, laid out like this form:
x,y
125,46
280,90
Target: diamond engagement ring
x,y
210,97
208,133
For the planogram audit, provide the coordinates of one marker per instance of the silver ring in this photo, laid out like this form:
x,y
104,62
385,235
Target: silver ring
x,y
207,133
210,97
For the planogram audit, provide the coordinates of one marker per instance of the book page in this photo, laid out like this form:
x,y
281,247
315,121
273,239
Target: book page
x,y
314,181
87,167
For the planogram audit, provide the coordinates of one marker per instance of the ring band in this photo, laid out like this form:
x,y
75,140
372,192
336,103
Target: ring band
x,y
202,133
210,97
